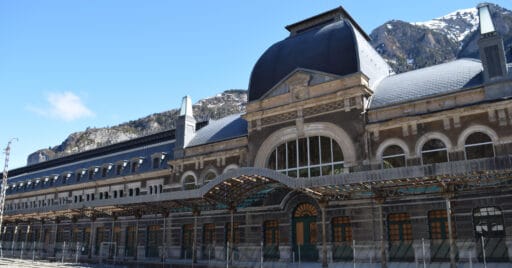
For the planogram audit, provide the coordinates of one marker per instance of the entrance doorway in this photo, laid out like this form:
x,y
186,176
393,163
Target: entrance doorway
x,y
305,234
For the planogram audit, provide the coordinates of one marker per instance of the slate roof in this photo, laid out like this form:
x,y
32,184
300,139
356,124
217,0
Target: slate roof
x,y
228,127
427,82
335,48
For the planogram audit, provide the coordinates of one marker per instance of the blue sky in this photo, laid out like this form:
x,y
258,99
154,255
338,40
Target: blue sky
x,y
68,65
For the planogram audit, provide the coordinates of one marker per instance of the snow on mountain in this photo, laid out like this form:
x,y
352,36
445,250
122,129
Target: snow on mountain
x,y
456,25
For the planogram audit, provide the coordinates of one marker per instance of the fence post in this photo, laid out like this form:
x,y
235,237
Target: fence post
x,y
21,253
77,251
227,255
470,260
354,252
423,251
483,250
261,254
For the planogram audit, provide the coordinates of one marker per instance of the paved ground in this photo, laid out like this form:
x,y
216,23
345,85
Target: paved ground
x,y
17,263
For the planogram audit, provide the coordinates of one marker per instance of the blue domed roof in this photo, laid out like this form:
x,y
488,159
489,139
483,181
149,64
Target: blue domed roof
x,y
330,48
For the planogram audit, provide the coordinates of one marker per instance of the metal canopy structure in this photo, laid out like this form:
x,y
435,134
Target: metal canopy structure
x,y
231,189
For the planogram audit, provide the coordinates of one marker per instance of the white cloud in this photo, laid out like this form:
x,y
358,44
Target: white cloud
x,y
63,105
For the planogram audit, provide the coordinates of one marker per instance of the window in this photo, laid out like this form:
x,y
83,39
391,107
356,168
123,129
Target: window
x,y
439,235
478,145
209,234
307,157
154,240
136,164
158,159
187,240
400,228
341,230
156,163
79,175
438,224
120,167
400,237
236,232
209,176
490,230
105,170
488,222
130,244
393,157
130,192
189,182
434,151
271,240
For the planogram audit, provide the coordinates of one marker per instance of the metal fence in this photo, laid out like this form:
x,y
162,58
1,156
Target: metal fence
x,y
484,252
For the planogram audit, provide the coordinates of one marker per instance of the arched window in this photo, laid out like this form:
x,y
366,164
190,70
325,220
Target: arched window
x,y
307,157
189,182
478,145
209,176
393,156
434,151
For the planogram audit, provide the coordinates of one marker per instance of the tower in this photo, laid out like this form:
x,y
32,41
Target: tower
x,y
185,127
490,46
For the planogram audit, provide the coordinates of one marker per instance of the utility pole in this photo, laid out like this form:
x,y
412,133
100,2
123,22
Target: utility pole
x,y
7,151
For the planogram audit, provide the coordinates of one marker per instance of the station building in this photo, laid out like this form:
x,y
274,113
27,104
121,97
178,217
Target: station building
x,y
337,159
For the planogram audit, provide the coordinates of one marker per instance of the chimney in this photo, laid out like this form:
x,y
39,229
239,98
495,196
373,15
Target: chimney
x,y
185,127
490,46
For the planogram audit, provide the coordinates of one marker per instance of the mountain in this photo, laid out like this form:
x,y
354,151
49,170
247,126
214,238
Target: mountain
x,y
218,106
408,46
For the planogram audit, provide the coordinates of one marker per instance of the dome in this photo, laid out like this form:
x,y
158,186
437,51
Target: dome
x,y
330,48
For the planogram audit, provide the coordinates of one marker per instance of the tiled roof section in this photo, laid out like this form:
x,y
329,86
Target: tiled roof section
x,y
144,152
140,142
328,48
427,82
231,126
370,62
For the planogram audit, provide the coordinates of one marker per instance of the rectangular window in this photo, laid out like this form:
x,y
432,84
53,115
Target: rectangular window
x,y
130,244
156,162
154,240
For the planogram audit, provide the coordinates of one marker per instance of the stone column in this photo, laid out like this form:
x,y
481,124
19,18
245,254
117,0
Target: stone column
x,y
383,257
323,205
91,238
196,213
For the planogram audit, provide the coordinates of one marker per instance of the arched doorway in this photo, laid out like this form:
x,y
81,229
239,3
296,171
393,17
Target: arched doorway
x,y
304,232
